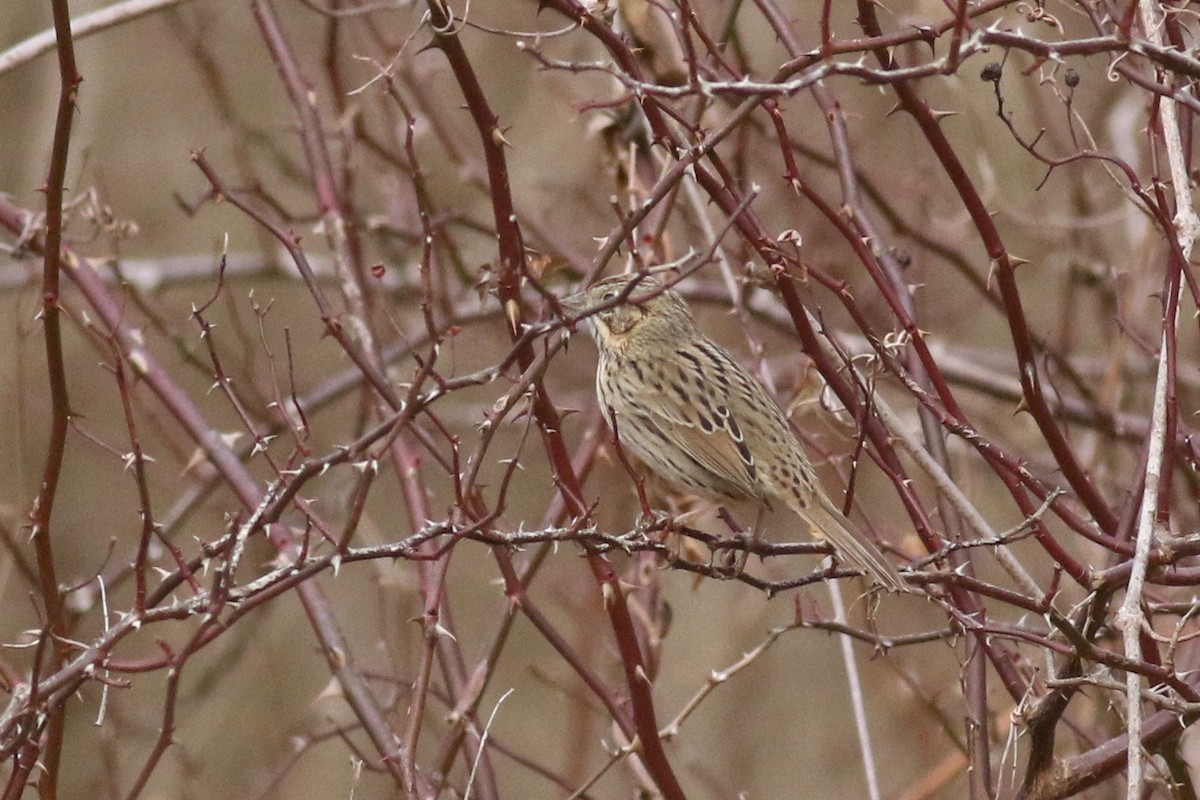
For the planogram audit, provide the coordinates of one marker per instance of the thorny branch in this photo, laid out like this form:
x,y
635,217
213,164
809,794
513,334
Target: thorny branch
x,y
394,408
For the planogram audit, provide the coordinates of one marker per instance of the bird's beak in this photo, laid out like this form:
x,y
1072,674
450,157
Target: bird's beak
x,y
573,304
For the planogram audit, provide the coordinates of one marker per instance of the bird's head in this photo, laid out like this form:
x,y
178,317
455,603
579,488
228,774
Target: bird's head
x,y
628,309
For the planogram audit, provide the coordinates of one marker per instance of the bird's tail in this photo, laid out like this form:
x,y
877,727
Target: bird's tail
x,y
850,543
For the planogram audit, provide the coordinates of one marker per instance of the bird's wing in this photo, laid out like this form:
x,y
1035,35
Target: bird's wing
x,y
693,409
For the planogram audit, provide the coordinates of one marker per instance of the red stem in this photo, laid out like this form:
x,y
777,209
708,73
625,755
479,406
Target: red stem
x,y
509,274
60,410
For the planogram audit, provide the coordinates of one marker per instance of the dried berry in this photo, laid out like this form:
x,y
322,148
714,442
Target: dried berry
x,y
991,73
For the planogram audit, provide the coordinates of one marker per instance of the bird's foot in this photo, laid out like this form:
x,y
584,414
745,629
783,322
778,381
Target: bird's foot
x,y
734,554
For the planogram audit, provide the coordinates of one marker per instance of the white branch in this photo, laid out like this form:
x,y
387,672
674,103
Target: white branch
x,y
81,27
856,696
1129,618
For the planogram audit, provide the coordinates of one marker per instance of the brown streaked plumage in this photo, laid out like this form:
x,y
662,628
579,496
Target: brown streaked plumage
x,y
699,420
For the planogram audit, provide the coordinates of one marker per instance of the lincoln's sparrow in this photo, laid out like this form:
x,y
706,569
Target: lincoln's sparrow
x,y
692,414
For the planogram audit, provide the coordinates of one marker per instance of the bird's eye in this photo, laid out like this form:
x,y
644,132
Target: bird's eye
x,y
610,294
